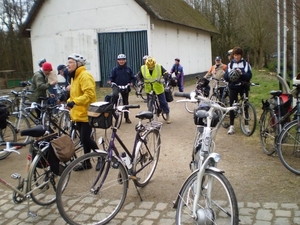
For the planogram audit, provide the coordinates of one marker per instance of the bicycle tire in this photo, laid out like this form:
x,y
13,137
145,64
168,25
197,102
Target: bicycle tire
x,y
65,122
251,120
268,131
288,147
146,157
39,172
212,210
8,134
143,93
20,124
77,204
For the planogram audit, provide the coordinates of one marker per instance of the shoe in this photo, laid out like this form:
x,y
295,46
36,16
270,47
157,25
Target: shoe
x,y
248,131
231,130
98,165
168,120
83,166
127,120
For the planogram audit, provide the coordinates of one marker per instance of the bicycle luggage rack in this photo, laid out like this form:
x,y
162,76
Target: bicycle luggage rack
x,y
157,125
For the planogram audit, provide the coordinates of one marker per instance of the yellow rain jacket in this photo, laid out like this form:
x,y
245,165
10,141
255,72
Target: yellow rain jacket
x,y
158,87
83,93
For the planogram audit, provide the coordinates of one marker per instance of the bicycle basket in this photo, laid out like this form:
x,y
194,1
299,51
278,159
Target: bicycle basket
x,y
200,117
100,115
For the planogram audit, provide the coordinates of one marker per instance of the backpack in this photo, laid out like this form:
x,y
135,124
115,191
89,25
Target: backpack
x,y
4,113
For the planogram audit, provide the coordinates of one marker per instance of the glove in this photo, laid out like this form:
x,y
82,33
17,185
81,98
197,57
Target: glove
x,y
71,104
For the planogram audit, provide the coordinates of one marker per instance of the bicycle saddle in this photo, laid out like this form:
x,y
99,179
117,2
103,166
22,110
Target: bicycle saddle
x,y
276,93
36,131
144,115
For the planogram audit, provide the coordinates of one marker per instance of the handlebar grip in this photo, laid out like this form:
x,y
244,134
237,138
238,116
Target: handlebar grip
x,y
182,94
132,106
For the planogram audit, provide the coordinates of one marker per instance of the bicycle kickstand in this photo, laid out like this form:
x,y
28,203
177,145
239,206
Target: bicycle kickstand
x,y
134,178
29,213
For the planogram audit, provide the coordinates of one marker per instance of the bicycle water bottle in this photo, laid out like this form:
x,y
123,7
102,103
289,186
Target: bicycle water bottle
x,y
126,160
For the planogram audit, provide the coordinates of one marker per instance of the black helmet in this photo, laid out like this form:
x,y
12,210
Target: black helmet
x,y
41,62
233,76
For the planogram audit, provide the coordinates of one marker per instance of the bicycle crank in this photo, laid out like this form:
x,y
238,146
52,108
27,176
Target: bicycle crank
x,y
17,198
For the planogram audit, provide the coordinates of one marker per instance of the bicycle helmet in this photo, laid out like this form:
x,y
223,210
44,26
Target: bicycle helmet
x,y
233,76
77,58
121,56
229,52
145,57
41,62
150,62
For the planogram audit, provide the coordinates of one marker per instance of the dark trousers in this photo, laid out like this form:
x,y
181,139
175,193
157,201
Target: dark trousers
x,y
125,97
162,102
85,131
180,82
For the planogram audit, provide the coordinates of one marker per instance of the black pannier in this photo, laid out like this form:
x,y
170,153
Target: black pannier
x,y
100,114
4,113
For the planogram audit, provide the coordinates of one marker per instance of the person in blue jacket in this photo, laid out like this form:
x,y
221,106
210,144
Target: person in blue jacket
x,y
238,74
178,70
122,75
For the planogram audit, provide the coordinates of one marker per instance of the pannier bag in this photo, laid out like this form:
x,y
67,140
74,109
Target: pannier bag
x,y
100,114
168,94
285,104
63,147
4,113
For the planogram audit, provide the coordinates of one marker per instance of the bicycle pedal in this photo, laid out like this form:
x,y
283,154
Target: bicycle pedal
x,y
15,176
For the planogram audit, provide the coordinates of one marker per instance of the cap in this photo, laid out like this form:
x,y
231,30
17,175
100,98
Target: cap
x,y
177,59
218,58
60,67
47,66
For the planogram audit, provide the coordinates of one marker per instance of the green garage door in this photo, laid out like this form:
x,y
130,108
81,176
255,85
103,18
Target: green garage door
x,y
133,44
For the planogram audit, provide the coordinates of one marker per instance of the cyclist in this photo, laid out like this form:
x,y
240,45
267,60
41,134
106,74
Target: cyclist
x,y
238,74
152,71
122,75
82,94
178,70
216,71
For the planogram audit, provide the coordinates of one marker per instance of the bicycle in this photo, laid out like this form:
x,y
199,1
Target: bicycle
x,y
99,195
288,140
153,104
272,121
206,197
246,113
7,134
40,182
201,89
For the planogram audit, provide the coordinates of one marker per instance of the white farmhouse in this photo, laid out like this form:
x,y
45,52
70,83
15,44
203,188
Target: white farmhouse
x,y
101,29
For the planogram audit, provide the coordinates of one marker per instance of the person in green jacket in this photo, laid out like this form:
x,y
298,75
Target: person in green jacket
x,y
153,71
40,84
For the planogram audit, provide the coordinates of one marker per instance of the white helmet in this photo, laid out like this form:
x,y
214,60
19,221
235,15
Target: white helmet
x,y
145,57
233,76
77,58
121,56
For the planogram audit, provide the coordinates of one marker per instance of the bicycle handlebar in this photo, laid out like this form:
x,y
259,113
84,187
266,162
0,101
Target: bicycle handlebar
x,y
126,107
182,94
122,87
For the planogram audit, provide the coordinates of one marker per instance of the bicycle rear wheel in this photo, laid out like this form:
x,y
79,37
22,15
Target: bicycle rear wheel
x,y
268,131
146,157
43,180
248,120
81,200
65,122
217,203
289,147
7,134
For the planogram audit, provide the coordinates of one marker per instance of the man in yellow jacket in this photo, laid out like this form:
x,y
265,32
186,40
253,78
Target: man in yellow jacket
x,y
82,94
154,72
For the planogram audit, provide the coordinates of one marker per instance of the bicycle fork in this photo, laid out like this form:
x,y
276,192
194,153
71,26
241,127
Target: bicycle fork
x,y
211,163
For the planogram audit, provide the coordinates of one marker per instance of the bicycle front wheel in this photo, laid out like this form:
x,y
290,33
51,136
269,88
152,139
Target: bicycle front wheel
x,y
146,158
7,134
89,196
65,122
217,202
248,119
42,181
268,131
289,147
